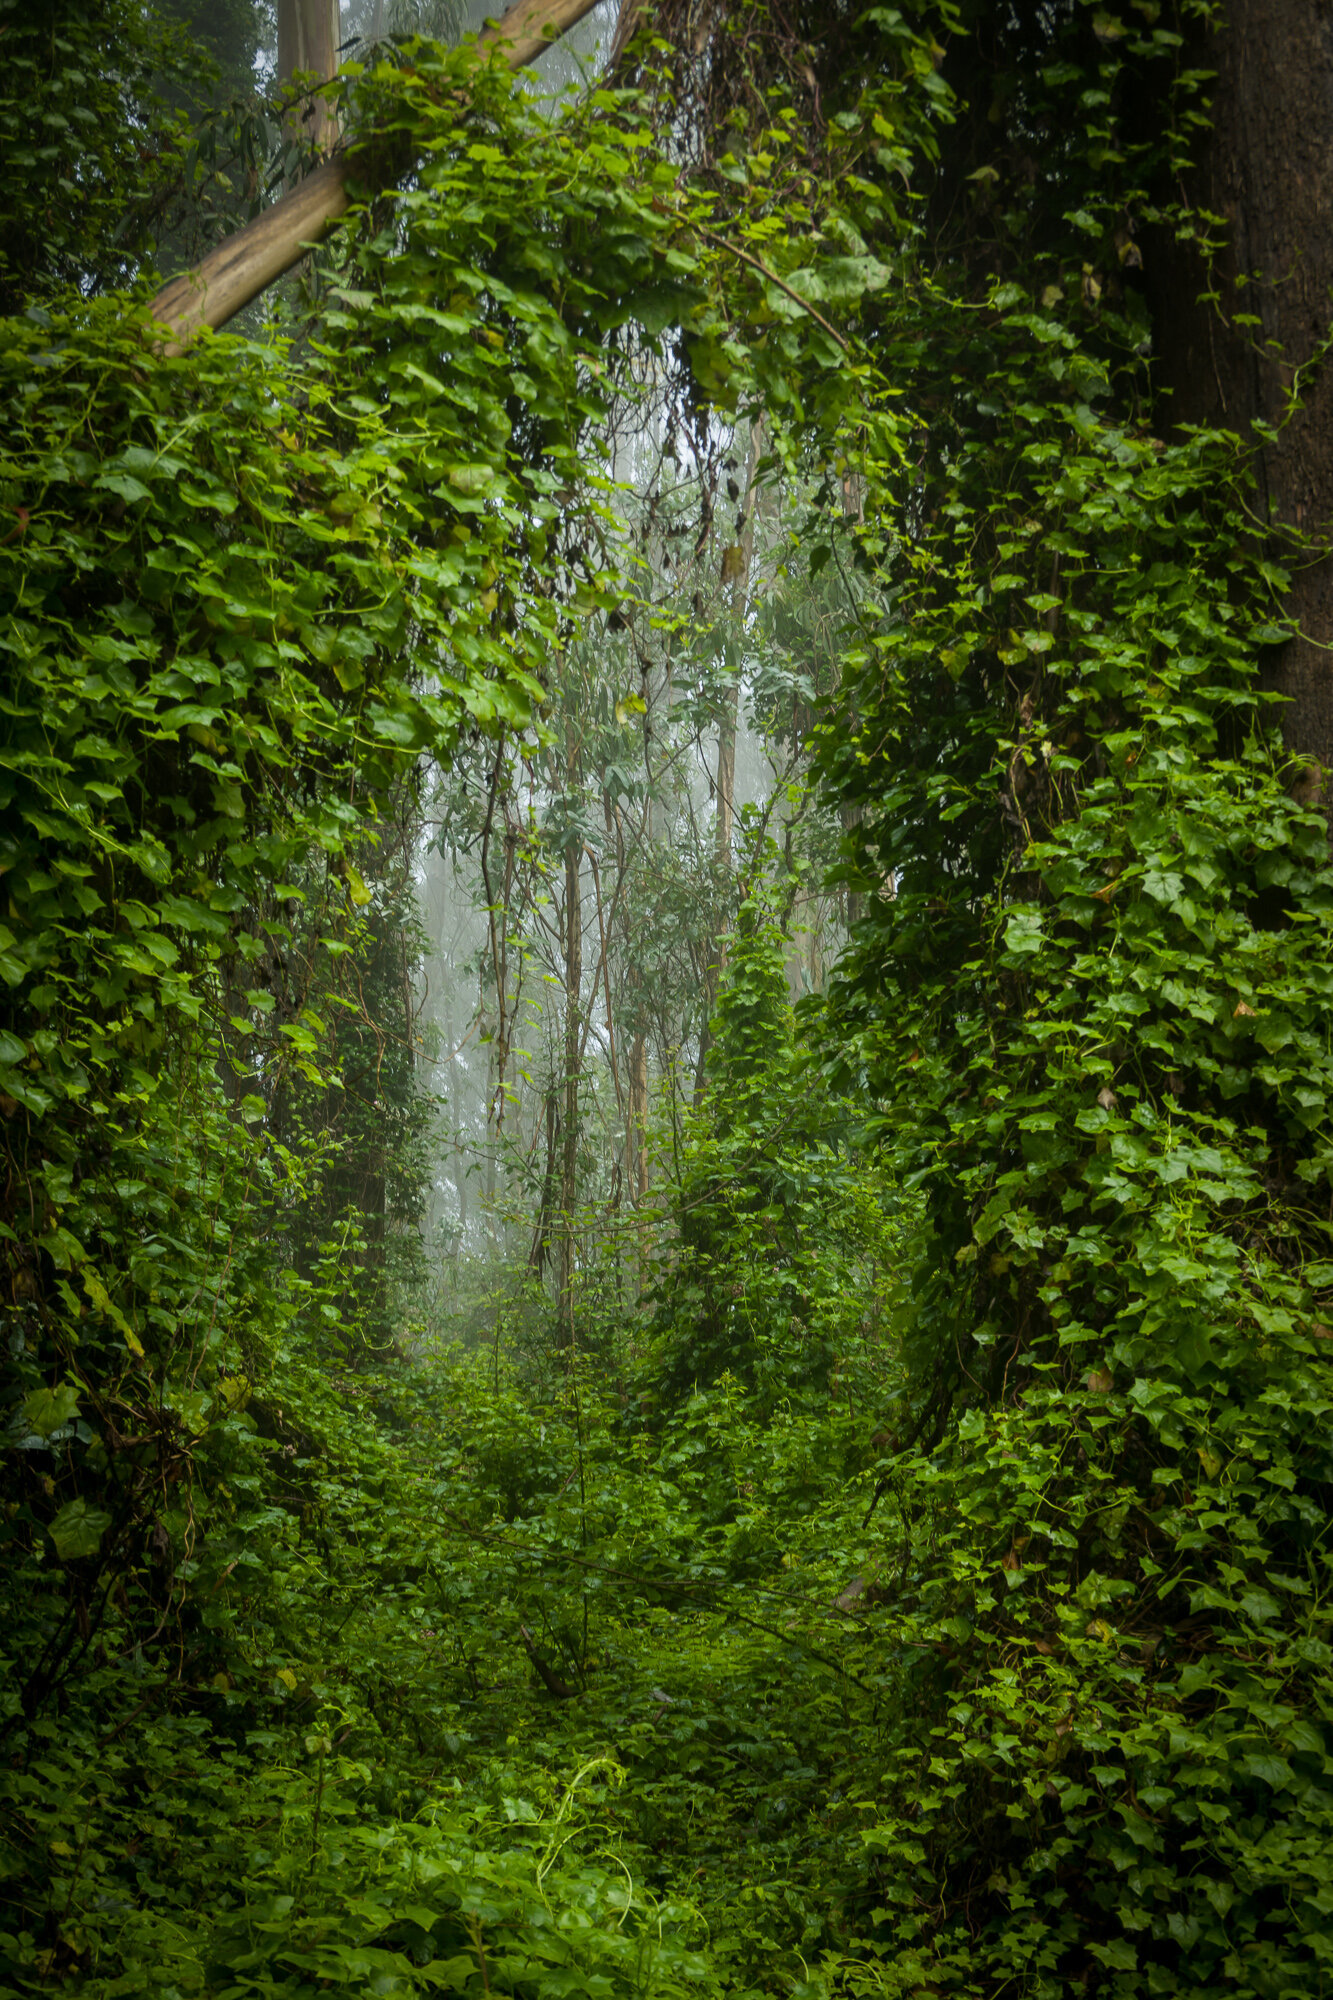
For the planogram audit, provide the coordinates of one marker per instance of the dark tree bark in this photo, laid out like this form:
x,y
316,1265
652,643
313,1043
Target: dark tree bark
x,y
1267,171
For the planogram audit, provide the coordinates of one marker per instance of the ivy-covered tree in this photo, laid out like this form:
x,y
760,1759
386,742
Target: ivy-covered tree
x,y
1091,989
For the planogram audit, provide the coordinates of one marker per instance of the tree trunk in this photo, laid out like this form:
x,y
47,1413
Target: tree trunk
x,y
216,289
736,565
541,1235
726,773
743,556
638,1147
638,1117
1267,171
455,1106
308,37
569,1173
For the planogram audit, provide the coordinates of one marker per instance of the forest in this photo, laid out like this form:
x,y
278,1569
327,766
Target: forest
x,y
666,1052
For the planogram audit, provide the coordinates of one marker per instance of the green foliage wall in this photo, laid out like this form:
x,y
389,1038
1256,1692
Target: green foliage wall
x,y
1092,987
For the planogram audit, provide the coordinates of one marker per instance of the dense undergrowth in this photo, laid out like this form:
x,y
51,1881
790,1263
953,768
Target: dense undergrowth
x,y
922,1585
344,1768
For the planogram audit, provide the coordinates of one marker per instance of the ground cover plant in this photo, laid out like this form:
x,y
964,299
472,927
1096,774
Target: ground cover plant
x,y
844,1510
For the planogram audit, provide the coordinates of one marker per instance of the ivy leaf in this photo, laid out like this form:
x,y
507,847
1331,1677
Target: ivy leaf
x,y
124,484
471,479
1274,1771
78,1530
1023,933
46,1411
1260,1606
1119,1954
418,1914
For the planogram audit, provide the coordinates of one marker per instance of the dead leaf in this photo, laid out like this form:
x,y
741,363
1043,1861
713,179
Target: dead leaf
x,y
848,1599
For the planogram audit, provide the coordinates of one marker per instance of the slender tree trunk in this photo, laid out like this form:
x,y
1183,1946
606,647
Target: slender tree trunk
x,y
638,1146
455,1108
492,1149
542,1233
638,1117
743,561
737,564
726,773
602,979
851,817
573,987
853,509
1267,171
308,37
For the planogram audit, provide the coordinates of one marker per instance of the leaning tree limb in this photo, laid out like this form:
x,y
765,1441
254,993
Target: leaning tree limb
x,y
228,278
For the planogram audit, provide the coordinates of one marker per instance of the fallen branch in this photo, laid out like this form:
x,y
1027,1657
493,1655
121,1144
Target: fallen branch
x,y
228,278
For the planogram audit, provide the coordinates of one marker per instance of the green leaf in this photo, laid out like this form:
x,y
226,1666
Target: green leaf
x,y
472,479
78,1530
1274,1771
102,1300
46,1411
1023,933
123,484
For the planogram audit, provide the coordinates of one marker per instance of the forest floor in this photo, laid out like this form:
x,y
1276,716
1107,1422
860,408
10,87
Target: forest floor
x,y
540,1677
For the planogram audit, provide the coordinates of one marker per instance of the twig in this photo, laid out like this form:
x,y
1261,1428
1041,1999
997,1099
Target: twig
x,y
774,279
